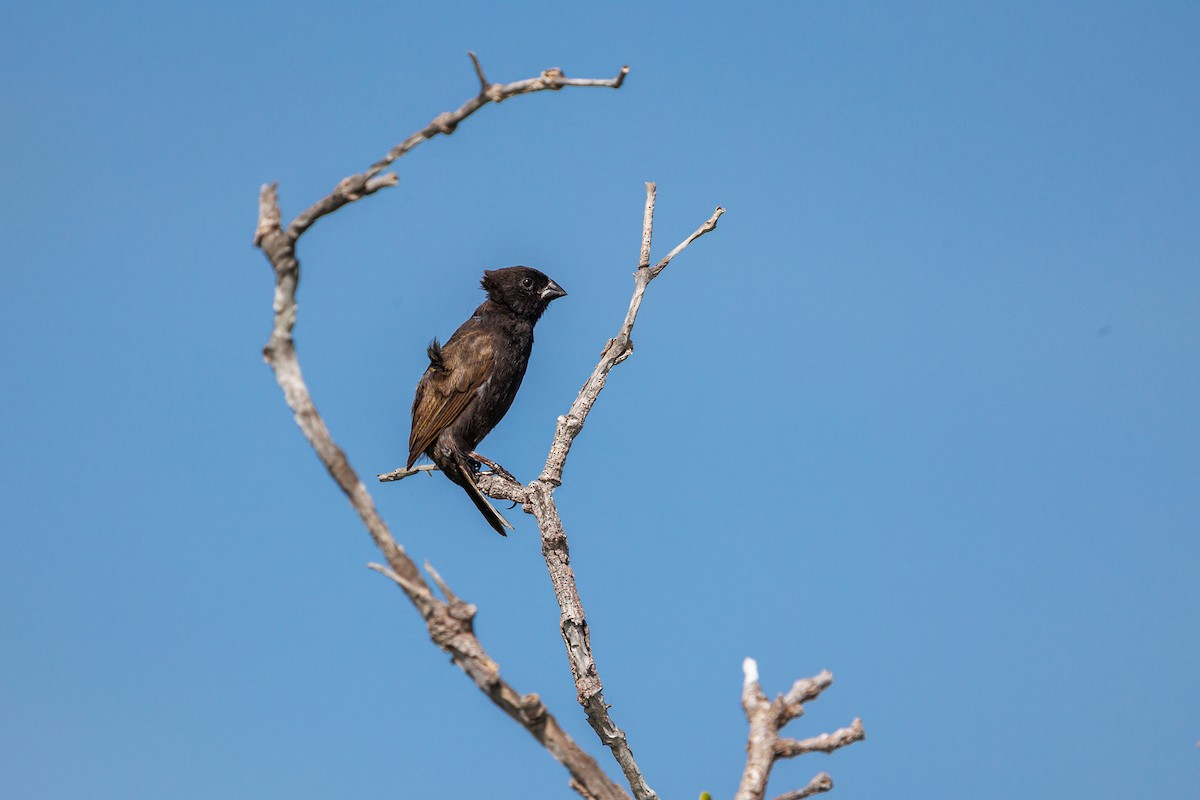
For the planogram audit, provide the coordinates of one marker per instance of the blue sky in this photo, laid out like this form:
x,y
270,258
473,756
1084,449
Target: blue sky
x,y
922,411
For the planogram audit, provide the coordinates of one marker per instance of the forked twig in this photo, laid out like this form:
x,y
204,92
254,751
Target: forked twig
x,y
764,745
572,621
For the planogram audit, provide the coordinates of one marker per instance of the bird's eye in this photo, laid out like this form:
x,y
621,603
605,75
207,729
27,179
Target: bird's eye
x,y
527,283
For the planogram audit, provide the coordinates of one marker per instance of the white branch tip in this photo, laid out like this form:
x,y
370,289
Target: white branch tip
x,y
750,670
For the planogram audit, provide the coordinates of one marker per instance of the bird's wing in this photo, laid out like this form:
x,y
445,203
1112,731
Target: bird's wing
x,y
442,394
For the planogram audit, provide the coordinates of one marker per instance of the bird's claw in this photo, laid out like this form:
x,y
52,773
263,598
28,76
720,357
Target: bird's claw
x,y
494,467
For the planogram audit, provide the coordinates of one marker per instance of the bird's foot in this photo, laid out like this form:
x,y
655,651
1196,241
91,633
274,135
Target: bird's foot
x,y
494,467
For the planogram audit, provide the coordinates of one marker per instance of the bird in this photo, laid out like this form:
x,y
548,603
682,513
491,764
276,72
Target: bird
x,y
473,378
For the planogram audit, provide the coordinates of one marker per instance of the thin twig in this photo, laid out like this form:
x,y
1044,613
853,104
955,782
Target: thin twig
x,y
401,474
821,783
405,584
825,743
483,81
807,689
709,225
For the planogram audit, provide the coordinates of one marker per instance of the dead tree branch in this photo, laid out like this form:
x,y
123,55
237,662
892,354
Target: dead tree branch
x,y
355,187
451,627
764,745
572,620
450,622
617,349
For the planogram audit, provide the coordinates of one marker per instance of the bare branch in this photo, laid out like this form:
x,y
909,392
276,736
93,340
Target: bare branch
x,y
764,746
483,81
401,474
617,349
355,187
408,586
807,689
821,783
452,629
450,596
450,624
804,690
648,224
611,83
268,212
499,487
574,629
573,622
709,225
825,743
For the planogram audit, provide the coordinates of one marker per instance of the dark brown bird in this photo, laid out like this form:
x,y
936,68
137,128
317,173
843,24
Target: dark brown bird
x,y
472,379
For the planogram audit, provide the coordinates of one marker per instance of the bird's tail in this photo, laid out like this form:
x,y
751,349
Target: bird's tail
x,y
466,479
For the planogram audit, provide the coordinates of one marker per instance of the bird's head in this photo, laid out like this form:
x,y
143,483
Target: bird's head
x,y
524,290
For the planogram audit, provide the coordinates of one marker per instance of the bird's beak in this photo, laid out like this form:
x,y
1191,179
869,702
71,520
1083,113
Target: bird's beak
x,y
552,291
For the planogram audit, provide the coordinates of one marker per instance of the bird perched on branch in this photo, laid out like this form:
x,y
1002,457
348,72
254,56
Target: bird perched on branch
x,y
472,378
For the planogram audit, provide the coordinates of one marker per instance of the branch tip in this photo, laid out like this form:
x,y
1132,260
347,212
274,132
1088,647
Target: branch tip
x,y
821,783
405,584
483,82
648,224
450,596
807,689
268,212
382,182
709,225
750,671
